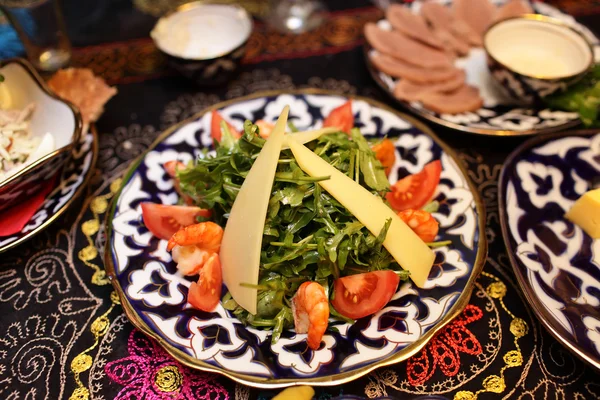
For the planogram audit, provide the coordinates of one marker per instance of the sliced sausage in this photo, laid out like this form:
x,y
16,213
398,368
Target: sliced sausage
x,y
411,25
441,18
406,49
479,14
464,99
400,69
411,91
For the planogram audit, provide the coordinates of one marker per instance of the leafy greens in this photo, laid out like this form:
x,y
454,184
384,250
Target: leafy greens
x,y
308,235
583,98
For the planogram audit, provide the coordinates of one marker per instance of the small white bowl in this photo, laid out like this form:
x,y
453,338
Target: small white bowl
x,y
51,115
204,42
533,56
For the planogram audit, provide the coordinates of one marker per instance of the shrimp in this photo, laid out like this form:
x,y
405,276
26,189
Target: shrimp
x,y
385,152
193,245
422,223
311,312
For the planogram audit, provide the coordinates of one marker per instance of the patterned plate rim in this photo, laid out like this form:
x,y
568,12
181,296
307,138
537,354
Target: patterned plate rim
x,y
77,193
335,379
546,319
452,125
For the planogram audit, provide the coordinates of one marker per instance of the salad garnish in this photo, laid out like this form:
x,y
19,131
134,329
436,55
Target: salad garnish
x,y
317,259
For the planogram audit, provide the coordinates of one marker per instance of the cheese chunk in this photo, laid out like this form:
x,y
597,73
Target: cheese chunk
x,y
403,244
586,213
242,239
296,393
308,136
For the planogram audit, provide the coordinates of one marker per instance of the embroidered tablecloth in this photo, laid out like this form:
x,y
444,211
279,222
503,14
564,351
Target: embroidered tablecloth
x,y
63,333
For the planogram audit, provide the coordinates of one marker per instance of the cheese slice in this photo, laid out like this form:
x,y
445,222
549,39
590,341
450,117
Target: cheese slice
x,y
308,136
586,213
242,239
403,244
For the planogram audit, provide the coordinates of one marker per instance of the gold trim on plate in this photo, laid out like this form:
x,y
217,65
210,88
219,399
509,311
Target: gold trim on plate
x,y
335,379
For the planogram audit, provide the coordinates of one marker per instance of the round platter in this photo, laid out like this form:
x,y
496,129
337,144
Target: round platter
x,y
498,116
73,179
153,293
556,263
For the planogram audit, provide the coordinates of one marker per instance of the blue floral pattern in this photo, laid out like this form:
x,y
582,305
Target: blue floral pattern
x,y
557,262
149,281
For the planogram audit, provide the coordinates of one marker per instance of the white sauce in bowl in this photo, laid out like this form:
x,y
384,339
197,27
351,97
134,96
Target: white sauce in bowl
x,y
202,32
538,48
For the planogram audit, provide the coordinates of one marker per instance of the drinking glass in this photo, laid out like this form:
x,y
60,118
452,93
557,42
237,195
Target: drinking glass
x,y
41,28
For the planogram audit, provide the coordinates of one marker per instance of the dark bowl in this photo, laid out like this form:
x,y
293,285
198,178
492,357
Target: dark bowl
x,y
223,50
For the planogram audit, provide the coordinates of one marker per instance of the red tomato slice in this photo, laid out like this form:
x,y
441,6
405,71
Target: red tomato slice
x,y
215,127
414,191
341,118
206,294
357,296
172,167
163,221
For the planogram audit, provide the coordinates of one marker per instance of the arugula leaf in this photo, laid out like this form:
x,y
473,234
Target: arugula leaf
x,y
308,235
372,171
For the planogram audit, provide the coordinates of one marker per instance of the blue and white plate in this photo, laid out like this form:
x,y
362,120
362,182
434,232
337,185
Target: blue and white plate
x,y
499,116
557,264
73,179
153,293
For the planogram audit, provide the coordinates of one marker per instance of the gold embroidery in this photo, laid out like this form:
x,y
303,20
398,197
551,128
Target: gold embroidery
x,y
464,395
83,361
168,379
89,228
513,358
99,327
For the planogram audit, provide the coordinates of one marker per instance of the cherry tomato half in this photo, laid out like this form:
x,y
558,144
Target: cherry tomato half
x,y
341,118
163,221
357,296
215,127
414,191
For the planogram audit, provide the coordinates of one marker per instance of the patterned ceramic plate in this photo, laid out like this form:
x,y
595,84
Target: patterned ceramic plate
x,y
556,263
153,293
76,173
499,116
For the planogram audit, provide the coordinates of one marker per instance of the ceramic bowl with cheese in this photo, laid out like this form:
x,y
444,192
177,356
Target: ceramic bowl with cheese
x,y
204,42
53,124
534,56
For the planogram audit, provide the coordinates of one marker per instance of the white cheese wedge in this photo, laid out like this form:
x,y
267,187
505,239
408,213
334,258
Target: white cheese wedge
x,y
403,244
242,239
308,136
586,213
